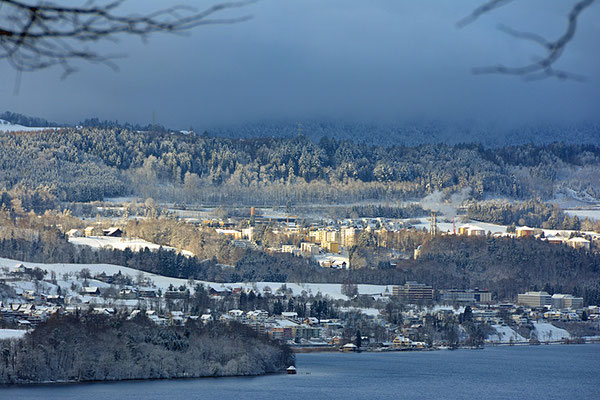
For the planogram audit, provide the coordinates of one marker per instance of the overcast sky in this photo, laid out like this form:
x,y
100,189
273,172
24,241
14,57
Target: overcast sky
x,y
388,60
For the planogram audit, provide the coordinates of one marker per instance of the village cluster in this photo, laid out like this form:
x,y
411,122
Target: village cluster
x,y
386,318
328,241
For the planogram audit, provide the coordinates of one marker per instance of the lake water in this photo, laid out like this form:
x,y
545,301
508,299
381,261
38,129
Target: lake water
x,y
520,372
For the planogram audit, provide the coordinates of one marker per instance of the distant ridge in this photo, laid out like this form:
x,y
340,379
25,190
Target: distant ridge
x,y
418,133
27,121
371,133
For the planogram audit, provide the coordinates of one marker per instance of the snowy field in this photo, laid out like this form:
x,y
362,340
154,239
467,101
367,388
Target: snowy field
x,y
544,331
593,214
504,334
332,290
107,242
548,332
425,222
11,334
6,126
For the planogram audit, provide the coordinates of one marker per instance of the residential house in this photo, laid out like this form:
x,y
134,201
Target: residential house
x,y
113,232
524,231
90,290
579,243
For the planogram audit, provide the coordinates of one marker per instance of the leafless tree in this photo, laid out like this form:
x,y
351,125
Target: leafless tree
x,y
542,67
40,34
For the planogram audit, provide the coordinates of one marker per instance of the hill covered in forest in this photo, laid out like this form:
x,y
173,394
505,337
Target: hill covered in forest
x,y
91,164
89,347
505,266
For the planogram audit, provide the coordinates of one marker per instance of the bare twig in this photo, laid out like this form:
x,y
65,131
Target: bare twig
x,y
479,11
38,35
544,67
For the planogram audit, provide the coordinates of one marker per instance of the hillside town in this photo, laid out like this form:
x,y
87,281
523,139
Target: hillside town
x,y
346,317
327,241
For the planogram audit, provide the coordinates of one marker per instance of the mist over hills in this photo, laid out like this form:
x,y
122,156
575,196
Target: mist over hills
x,y
419,133
408,133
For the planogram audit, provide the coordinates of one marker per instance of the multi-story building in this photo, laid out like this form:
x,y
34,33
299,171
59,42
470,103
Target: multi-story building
x,y
332,236
248,233
566,301
465,296
331,247
309,249
319,236
348,236
288,248
413,292
534,299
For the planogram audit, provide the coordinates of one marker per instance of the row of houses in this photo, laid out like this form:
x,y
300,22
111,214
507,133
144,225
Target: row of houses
x,y
566,238
96,231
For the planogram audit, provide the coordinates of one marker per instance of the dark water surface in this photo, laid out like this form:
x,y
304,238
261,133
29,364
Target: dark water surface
x,y
527,372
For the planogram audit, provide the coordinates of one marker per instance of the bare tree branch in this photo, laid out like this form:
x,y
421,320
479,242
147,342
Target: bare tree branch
x,y
534,37
479,11
39,35
543,67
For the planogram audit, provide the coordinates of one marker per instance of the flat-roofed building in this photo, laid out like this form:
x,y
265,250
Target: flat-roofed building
x,y
332,236
309,249
413,292
331,247
534,299
288,248
566,301
468,296
348,236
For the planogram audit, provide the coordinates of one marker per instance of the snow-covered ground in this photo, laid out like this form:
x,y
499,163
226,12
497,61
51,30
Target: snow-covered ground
x,y
107,242
425,222
371,312
332,290
548,332
11,334
593,214
544,332
340,258
440,307
6,126
504,334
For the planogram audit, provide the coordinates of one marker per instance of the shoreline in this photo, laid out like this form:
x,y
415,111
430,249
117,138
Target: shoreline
x,y
307,350
332,349
73,383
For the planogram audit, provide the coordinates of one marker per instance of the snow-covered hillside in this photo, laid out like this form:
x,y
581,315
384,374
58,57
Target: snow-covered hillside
x,y
544,331
332,290
6,126
505,334
547,332
108,242
11,334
